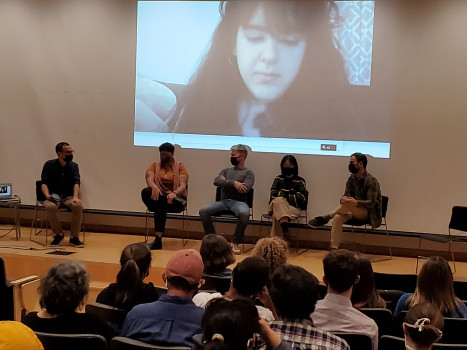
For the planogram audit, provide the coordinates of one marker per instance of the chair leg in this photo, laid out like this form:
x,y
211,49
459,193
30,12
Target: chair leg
x,y
388,239
83,226
184,240
147,227
35,230
452,255
418,255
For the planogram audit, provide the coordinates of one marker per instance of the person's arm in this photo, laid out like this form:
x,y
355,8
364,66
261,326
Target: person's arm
x,y
150,182
372,193
249,180
221,181
274,189
266,300
76,190
272,339
44,180
182,188
300,193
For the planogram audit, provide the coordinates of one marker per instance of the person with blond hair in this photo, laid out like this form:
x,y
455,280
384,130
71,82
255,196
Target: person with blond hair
x,y
273,250
435,285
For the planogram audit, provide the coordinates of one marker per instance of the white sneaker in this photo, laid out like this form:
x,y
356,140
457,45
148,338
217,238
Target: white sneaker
x,y
235,248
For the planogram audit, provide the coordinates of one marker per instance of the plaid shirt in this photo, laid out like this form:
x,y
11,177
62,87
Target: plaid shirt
x,y
303,335
368,194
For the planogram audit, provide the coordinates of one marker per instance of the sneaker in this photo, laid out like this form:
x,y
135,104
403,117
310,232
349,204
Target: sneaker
x,y
318,221
156,244
235,248
75,242
56,241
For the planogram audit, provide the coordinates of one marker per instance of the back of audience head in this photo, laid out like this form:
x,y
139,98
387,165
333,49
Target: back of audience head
x,y
423,325
364,293
250,276
340,270
134,267
216,253
64,288
184,272
230,325
17,336
273,250
294,292
440,294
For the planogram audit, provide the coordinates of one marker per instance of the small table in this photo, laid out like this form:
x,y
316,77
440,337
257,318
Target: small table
x,y
14,203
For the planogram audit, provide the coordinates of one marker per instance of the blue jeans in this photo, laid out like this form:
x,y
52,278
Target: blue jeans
x,y
239,209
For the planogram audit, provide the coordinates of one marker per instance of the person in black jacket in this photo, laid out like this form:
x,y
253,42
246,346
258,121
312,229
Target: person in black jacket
x,y
288,196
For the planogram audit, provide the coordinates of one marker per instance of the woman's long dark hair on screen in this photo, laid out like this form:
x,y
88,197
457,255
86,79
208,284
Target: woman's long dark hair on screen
x,y
217,87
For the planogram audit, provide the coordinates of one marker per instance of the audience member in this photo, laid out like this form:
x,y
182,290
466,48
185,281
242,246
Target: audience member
x,y
435,285
217,256
130,290
361,201
364,293
167,182
294,293
62,291
61,186
16,336
174,318
235,183
249,280
273,250
335,312
234,325
288,196
422,327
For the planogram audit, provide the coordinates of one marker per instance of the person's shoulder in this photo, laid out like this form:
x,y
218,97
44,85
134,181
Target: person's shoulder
x,y
30,317
51,162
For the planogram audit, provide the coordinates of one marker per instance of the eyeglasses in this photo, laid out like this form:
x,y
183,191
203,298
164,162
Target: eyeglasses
x,y
68,152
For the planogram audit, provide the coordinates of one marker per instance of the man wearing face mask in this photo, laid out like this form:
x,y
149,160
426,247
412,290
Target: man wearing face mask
x,y
61,185
361,201
235,183
167,183
288,196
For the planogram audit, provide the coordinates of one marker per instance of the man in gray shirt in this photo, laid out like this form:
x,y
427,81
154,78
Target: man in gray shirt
x,y
235,182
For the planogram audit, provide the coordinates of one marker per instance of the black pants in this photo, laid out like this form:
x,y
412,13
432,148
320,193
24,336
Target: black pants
x,y
160,208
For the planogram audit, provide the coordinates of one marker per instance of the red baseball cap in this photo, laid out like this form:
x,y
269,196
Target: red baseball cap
x,y
186,263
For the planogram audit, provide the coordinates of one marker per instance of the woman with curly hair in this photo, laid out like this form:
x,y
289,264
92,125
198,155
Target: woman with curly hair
x,y
273,250
63,291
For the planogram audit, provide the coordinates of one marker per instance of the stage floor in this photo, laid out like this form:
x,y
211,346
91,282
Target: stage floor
x,y
102,252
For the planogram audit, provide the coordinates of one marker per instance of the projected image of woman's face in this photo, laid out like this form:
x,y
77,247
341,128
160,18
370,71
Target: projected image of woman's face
x,y
268,62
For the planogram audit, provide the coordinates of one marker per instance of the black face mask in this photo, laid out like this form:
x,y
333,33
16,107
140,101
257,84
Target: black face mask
x,y
352,168
68,158
234,161
288,172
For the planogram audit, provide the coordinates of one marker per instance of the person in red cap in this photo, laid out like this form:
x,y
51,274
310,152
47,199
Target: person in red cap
x,y
174,318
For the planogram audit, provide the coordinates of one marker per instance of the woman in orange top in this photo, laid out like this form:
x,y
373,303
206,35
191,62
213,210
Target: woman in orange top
x,y
167,190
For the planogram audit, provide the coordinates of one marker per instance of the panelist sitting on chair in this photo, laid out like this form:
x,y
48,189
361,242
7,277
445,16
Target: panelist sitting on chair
x,y
362,201
288,196
61,185
235,183
167,190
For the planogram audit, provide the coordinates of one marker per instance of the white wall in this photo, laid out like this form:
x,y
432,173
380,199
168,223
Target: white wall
x,y
67,74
